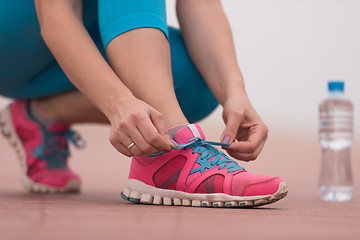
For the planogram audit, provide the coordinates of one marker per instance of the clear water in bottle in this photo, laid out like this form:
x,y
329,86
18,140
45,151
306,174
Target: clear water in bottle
x,y
335,135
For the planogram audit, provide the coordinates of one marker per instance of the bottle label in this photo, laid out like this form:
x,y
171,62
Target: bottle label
x,y
336,123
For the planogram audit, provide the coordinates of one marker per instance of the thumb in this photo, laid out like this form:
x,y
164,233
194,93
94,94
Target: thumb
x,y
232,127
159,123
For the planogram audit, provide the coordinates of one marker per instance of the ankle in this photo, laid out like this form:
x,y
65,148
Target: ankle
x,y
176,119
42,110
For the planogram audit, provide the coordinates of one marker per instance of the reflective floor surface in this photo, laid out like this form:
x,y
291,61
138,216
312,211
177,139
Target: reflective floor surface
x,y
98,212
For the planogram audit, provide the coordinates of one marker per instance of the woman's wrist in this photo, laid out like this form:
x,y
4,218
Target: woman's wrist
x,y
232,87
109,102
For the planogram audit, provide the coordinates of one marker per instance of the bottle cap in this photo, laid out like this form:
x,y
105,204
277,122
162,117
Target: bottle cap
x,y
336,86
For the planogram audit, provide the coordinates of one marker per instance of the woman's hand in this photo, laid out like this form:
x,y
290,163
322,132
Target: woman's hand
x,y
132,121
204,27
244,125
136,122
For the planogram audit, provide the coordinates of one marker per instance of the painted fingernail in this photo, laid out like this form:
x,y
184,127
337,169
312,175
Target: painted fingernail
x,y
226,139
173,143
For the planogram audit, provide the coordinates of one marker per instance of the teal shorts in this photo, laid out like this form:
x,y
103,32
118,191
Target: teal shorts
x,y
28,69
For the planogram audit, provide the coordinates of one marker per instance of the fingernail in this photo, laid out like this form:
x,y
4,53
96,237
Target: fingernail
x,y
173,143
226,139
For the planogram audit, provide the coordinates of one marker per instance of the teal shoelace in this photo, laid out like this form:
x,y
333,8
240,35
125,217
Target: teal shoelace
x,y
53,151
206,151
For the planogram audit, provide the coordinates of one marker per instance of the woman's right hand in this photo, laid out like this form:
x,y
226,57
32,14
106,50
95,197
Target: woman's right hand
x,y
134,121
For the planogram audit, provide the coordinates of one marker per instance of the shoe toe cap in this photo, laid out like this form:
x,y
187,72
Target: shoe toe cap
x,y
247,184
268,187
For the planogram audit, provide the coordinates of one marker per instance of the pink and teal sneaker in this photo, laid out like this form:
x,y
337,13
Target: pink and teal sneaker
x,y
42,149
198,174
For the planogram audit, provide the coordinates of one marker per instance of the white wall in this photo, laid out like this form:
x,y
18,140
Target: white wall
x,y
288,49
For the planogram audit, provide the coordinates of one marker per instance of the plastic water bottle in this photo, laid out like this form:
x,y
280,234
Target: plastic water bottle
x,y
335,135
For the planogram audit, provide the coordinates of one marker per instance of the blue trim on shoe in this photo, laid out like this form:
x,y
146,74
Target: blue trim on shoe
x,y
124,196
134,200
48,151
206,151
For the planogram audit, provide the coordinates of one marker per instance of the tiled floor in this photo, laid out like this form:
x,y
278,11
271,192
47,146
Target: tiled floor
x,y
100,213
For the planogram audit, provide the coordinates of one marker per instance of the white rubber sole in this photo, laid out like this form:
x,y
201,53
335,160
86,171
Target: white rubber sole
x,y
10,134
138,192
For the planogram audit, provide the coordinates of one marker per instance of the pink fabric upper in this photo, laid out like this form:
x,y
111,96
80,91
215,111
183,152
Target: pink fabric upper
x,y
238,183
30,135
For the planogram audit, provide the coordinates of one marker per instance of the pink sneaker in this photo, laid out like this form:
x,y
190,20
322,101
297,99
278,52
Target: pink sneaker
x,y
198,174
42,149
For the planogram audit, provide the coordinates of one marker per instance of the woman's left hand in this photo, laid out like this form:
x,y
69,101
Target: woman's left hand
x,y
245,130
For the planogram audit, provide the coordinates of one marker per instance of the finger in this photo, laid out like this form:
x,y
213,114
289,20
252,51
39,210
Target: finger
x,y
141,143
136,151
119,146
157,120
233,123
246,156
121,142
129,146
116,139
152,136
243,134
122,149
257,135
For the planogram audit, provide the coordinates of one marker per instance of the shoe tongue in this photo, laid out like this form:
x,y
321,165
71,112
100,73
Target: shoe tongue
x,y
183,135
57,126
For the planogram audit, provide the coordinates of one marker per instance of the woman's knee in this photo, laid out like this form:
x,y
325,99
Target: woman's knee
x,y
119,16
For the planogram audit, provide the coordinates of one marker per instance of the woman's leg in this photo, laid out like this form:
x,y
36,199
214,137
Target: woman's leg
x,y
41,77
135,37
23,52
145,68
54,103
81,110
194,96
29,71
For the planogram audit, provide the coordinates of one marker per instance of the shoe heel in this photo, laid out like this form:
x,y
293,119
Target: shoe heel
x,y
8,131
4,120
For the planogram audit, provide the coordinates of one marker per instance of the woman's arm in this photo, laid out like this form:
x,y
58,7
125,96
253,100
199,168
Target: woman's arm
x,y
207,36
65,35
68,40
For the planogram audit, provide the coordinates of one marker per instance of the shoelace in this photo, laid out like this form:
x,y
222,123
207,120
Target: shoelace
x,y
206,151
53,151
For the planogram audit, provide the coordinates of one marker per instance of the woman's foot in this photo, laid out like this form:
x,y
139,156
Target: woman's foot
x,y
198,174
42,149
